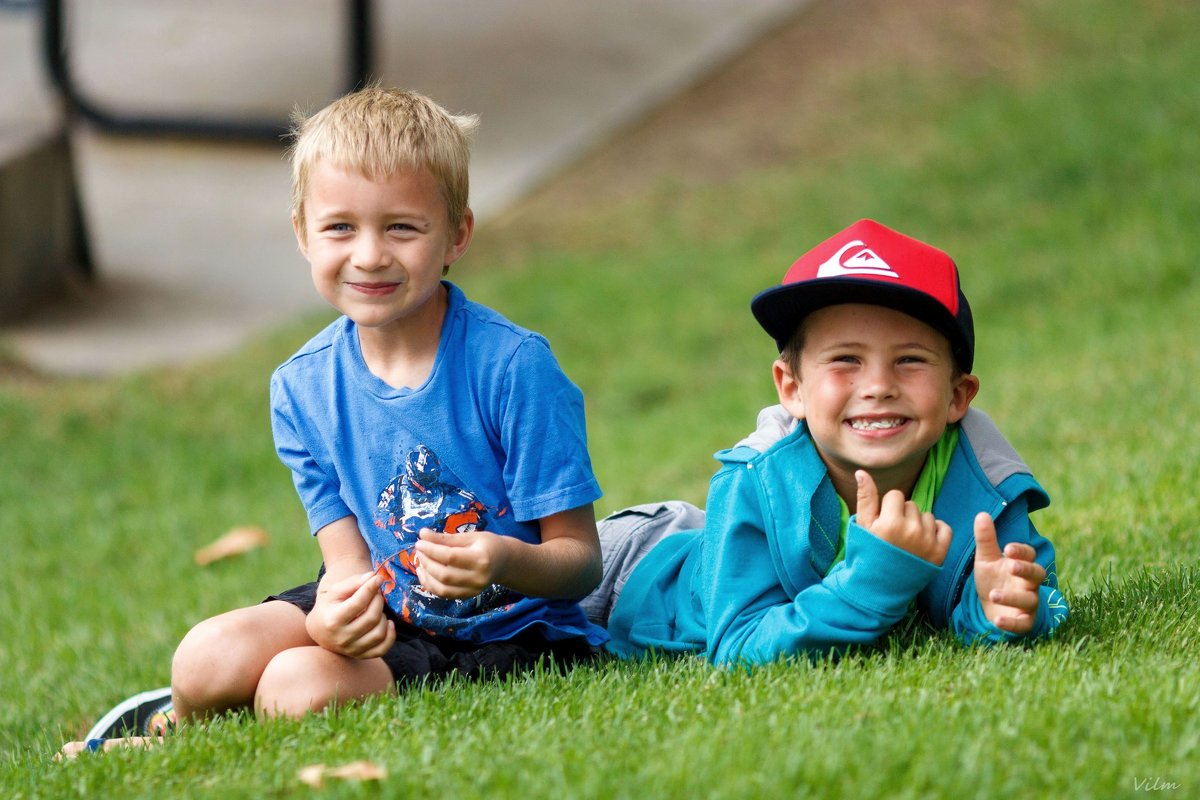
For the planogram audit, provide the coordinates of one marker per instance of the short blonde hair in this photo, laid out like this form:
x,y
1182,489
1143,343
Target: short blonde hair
x,y
377,131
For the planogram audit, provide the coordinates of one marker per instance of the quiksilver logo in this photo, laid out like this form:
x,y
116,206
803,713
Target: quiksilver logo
x,y
851,261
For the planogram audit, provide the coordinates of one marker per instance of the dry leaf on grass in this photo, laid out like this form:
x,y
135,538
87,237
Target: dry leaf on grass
x,y
234,543
315,774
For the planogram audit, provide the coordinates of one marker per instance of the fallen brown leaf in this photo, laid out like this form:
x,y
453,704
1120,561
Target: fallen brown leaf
x,y
237,541
315,774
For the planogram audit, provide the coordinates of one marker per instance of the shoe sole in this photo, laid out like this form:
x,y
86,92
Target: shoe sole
x,y
129,716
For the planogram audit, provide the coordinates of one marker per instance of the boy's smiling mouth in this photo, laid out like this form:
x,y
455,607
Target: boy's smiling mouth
x,y
374,288
877,423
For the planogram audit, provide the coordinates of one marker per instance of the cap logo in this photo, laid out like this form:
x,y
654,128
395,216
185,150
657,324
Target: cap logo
x,y
863,261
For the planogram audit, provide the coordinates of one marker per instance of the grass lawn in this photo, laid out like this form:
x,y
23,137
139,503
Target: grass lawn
x,y
1051,147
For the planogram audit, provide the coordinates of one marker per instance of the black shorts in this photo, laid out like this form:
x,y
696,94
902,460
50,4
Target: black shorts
x,y
417,654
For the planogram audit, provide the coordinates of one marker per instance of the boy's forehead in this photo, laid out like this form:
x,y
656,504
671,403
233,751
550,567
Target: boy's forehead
x,y
412,177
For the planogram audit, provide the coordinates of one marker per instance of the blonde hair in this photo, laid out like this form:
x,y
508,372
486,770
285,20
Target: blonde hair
x,y
377,131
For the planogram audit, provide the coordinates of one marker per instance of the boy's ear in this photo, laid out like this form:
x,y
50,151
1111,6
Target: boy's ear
x,y
461,239
301,238
788,388
965,387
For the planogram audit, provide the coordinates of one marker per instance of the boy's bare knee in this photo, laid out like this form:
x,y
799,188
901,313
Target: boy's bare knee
x,y
291,684
207,670
305,679
219,662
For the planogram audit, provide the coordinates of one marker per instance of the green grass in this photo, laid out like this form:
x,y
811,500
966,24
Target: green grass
x,y
1066,190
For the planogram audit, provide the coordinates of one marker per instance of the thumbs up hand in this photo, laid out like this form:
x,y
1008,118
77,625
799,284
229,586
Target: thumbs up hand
x,y
1007,582
899,522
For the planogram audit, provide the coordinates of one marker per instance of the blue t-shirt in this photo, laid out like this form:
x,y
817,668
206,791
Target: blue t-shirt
x,y
493,440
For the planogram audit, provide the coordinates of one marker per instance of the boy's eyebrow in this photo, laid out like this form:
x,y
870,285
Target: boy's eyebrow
x,y
339,212
915,346
898,346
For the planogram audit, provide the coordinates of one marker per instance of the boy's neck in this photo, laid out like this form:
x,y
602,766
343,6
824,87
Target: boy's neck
x,y
885,481
403,353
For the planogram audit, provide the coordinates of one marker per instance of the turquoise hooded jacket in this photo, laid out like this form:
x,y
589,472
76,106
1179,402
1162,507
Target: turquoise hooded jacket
x,y
757,584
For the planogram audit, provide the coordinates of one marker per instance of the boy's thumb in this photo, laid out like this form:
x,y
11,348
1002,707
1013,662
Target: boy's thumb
x,y
987,548
867,506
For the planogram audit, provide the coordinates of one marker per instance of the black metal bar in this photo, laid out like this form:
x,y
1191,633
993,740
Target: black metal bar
x,y
56,53
81,242
361,47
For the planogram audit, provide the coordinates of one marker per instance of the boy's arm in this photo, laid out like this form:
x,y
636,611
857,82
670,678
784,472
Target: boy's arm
x,y
565,564
753,618
348,615
1013,528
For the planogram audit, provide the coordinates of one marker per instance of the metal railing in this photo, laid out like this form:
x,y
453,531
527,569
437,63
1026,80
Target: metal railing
x,y
56,51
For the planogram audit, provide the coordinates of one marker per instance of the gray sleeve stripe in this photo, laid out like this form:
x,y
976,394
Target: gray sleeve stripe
x,y
996,456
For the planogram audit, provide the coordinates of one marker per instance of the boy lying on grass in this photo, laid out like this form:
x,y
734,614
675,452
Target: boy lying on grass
x,y
872,487
439,450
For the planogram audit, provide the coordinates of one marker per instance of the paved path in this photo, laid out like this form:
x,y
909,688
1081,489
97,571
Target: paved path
x,y
192,239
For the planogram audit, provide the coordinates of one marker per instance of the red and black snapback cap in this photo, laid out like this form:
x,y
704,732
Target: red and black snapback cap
x,y
871,263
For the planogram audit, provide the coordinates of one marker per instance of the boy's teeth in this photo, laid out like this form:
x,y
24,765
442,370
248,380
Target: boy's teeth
x,y
874,424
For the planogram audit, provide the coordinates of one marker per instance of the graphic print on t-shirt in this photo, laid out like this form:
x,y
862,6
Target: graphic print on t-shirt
x,y
426,494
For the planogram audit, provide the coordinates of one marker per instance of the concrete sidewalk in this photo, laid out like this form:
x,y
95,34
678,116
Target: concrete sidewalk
x,y
192,241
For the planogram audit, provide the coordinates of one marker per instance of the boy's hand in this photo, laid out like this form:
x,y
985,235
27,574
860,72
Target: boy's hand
x,y
1007,582
900,523
348,617
459,565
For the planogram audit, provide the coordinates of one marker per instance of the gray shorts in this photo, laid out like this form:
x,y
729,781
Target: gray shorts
x,y
625,537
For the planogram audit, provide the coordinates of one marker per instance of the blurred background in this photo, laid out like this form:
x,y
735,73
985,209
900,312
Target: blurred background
x,y
143,193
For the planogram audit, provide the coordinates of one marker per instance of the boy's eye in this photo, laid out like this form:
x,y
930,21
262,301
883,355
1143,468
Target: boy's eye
x,y
401,226
338,227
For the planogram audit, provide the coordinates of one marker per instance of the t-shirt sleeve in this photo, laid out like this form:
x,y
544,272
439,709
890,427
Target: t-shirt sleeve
x,y
546,467
319,490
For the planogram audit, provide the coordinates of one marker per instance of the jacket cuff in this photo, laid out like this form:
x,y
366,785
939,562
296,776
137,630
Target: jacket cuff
x,y
878,576
972,627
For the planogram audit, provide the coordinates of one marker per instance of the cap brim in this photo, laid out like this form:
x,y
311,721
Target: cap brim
x,y
780,309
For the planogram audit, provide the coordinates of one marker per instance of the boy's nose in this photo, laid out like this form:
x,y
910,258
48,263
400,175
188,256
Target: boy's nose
x,y
370,253
878,382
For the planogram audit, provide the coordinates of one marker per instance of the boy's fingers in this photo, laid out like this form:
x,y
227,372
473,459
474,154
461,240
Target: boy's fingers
x,y
389,639
1031,571
894,507
360,599
379,639
443,539
347,586
457,554
1018,623
867,507
1020,551
944,534
1022,601
986,547
433,550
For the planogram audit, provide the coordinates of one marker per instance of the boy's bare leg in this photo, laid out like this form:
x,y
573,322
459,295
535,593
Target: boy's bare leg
x,y
305,679
220,661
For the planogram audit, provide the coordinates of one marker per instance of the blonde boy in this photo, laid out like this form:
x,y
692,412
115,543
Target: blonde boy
x,y
438,448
